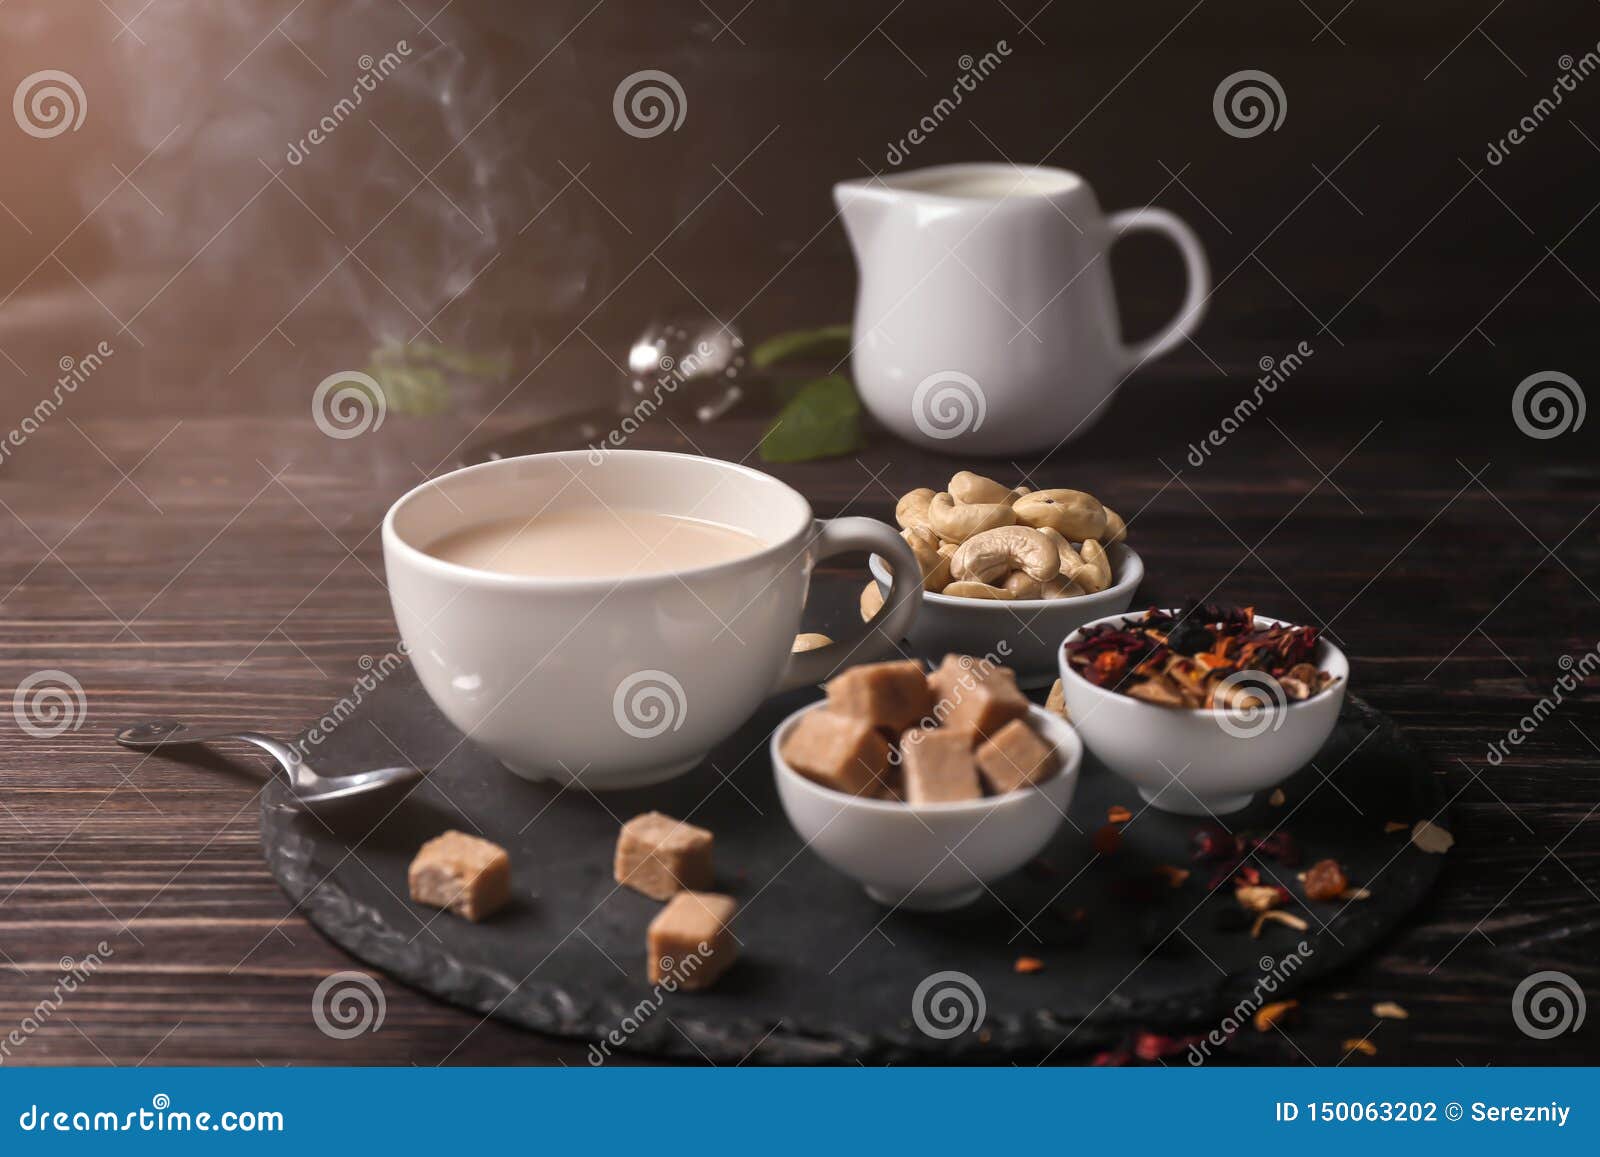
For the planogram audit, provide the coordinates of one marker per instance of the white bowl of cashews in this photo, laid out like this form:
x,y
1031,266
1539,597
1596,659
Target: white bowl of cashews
x,y
1009,572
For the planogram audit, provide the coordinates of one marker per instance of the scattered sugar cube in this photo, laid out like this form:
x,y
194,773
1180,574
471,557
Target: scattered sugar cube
x,y
689,940
469,876
660,856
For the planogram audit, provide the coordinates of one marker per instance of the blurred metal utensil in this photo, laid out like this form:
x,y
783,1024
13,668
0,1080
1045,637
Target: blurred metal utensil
x,y
690,363
307,787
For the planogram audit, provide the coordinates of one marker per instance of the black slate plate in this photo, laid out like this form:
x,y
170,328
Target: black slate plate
x,y
825,974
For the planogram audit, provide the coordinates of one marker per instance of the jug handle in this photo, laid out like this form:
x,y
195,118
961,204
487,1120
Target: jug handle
x,y
1195,267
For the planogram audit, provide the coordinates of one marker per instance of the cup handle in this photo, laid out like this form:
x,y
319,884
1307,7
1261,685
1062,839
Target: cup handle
x,y
1198,276
878,638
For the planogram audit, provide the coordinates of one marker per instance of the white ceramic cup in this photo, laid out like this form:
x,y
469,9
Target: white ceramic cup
x,y
621,682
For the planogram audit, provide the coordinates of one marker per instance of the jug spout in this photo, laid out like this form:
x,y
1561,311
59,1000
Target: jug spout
x,y
862,206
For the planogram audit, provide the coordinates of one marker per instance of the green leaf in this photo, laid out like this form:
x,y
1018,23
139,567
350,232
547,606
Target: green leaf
x,y
415,376
822,421
831,341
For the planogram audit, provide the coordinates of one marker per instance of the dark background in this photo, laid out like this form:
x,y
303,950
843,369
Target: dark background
x,y
180,537
1369,223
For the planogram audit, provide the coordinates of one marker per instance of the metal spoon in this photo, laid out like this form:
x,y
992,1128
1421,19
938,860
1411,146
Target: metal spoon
x,y
307,788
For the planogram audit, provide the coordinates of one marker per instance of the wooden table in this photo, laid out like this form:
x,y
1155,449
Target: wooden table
x,y
228,568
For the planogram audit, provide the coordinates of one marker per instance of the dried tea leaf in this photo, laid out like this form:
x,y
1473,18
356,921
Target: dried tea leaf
x,y
1270,1014
1278,915
1389,1010
1430,837
1173,875
1355,894
1107,839
1394,826
1277,798
1365,1047
1027,964
1117,814
1257,897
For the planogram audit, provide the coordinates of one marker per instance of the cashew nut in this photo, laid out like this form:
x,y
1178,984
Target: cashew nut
x,y
935,566
871,602
1076,515
963,589
912,509
1023,585
991,554
957,522
1116,529
1056,701
1095,573
811,641
1061,587
969,487
1069,556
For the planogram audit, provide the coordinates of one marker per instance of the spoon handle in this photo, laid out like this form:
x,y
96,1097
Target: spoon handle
x,y
155,734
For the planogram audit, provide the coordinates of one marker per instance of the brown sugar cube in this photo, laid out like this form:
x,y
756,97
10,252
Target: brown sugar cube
x,y
938,766
689,940
1014,757
888,695
973,694
660,856
463,873
837,751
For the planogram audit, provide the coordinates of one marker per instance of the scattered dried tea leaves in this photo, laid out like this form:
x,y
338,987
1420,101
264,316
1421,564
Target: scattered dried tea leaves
x,y
1117,814
1277,798
1394,826
1389,1010
1277,915
1269,1015
1173,875
1363,1046
1257,897
1325,880
1028,964
1430,837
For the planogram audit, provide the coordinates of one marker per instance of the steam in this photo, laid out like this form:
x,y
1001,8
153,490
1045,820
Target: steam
x,y
429,182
